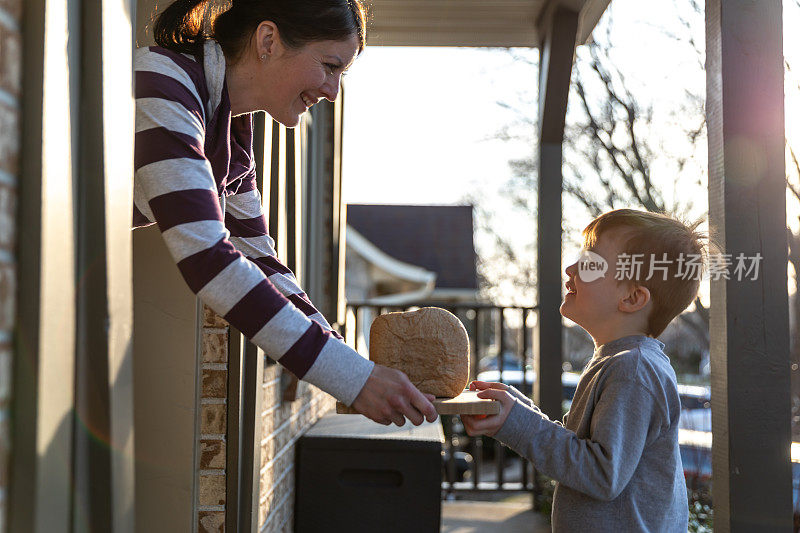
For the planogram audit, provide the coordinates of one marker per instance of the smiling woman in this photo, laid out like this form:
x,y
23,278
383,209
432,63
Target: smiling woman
x,y
195,175
282,56
284,80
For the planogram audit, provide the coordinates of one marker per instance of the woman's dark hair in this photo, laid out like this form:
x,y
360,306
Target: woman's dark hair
x,y
182,26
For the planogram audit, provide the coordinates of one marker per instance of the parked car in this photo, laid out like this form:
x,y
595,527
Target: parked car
x,y
694,396
462,465
510,362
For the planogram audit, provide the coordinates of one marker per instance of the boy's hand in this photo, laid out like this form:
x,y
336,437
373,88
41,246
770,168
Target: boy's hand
x,y
491,424
483,385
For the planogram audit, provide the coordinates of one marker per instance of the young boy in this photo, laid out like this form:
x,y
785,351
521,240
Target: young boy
x,y
615,457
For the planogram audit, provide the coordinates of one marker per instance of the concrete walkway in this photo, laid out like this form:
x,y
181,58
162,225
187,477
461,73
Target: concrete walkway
x,y
465,516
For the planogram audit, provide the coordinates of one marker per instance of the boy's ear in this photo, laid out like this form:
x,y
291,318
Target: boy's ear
x,y
635,299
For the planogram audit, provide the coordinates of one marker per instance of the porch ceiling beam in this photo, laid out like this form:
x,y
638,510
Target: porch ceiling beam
x,y
502,23
752,485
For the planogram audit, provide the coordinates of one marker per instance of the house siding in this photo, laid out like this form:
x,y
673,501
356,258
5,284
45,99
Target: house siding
x,y
10,112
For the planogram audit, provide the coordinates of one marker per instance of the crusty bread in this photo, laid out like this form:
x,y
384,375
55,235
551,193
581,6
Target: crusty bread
x,y
430,345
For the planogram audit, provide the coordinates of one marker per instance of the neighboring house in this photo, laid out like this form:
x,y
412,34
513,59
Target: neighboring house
x,y
373,275
399,254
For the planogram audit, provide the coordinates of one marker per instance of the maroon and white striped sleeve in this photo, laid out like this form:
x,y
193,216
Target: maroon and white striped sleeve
x,y
174,186
244,219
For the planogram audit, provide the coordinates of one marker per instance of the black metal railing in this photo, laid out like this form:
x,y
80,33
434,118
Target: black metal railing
x,y
500,341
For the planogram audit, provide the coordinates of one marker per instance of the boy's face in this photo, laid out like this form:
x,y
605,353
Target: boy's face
x,y
593,296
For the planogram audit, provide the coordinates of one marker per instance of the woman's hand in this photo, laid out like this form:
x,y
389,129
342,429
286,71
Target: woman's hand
x,y
489,424
388,396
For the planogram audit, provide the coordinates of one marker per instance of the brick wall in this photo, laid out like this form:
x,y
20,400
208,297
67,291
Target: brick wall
x,y
282,423
10,110
211,443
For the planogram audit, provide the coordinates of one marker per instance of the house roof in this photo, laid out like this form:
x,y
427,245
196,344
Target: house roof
x,y
435,237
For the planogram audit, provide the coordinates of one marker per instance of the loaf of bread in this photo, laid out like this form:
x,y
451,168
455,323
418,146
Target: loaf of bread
x,y
430,345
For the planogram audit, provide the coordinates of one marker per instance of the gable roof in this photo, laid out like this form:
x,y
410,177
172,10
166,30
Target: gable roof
x,y
435,237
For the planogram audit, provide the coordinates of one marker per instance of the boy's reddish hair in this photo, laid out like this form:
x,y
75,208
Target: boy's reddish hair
x,y
655,235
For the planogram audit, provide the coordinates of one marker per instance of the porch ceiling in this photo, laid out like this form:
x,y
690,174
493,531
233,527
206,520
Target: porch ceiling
x,y
501,23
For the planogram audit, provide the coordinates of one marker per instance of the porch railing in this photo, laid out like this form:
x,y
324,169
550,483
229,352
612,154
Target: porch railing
x,y
500,339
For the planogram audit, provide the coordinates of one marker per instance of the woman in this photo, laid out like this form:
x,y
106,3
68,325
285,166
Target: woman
x,y
195,176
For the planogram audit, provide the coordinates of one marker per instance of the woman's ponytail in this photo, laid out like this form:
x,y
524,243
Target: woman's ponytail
x,y
180,26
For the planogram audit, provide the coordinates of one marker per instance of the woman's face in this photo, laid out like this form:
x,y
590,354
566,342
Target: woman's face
x,y
296,79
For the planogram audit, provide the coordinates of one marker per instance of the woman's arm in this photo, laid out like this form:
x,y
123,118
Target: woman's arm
x,y
175,187
244,219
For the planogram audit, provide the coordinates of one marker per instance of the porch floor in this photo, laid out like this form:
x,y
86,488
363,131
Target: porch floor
x,y
467,516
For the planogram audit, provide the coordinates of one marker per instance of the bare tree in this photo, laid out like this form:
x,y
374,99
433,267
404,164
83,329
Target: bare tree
x,y
609,150
607,141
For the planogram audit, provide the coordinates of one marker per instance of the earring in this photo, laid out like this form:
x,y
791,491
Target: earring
x,y
263,57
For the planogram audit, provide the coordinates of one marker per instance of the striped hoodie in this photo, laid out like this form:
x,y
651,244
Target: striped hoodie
x,y
192,160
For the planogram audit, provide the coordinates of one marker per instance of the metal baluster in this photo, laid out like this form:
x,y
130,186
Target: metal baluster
x,y
345,331
524,343
355,327
498,448
477,442
451,461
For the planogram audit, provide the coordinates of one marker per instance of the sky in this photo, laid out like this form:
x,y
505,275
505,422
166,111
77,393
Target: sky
x,y
421,124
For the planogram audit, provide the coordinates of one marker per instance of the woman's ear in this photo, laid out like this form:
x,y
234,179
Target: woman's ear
x,y
267,39
635,299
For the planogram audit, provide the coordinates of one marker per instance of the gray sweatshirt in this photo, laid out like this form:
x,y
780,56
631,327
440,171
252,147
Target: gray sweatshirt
x,y
615,457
